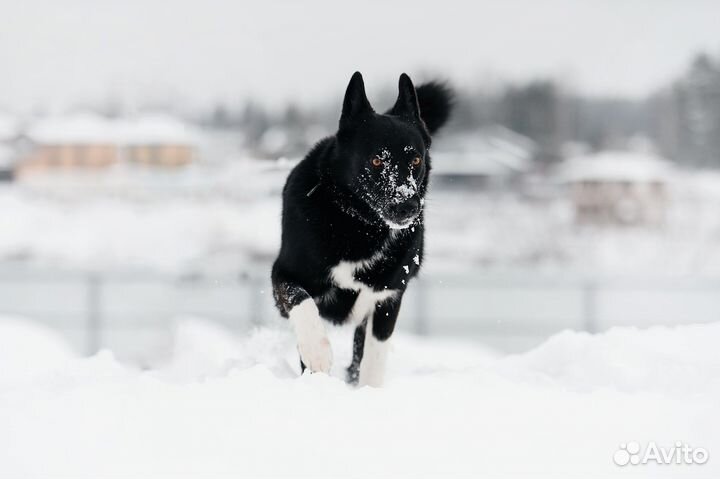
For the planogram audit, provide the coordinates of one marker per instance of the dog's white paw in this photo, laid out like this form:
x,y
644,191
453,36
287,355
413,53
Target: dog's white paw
x,y
316,354
372,366
313,343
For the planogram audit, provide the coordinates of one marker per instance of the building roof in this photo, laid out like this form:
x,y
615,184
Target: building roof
x,y
90,128
158,129
616,166
86,128
492,151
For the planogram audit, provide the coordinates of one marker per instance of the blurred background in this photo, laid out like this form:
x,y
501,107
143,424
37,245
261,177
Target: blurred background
x,y
144,146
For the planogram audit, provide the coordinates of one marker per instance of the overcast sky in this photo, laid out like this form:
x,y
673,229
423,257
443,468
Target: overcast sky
x,y
55,53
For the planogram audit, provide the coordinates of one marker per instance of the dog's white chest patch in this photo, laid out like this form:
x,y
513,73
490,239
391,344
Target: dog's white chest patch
x,y
343,275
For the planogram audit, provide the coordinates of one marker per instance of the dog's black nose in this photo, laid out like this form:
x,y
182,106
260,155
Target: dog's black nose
x,y
407,208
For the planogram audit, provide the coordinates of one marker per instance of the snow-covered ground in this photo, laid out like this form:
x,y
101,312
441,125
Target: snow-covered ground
x,y
228,406
223,216
210,402
177,234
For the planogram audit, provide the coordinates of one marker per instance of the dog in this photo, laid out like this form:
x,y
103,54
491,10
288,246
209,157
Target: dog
x,y
352,225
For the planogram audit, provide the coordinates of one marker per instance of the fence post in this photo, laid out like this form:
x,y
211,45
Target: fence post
x,y
590,306
94,320
256,299
421,324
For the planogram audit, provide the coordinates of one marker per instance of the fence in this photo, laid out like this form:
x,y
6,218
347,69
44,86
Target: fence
x,y
133,313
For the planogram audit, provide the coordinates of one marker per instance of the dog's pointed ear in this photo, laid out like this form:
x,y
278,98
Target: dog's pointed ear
x,y
406,105
356,104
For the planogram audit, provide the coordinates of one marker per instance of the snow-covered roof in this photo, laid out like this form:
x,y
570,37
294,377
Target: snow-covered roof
x,y
492,151
616,166
274,140
90,128
157,129
476,164
77,128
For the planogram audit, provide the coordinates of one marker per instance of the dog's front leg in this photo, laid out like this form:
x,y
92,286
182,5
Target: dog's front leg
x,y
377,343
297,305
313,343
353,371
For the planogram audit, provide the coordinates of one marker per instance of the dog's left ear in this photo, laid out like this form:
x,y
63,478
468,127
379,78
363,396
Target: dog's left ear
x,y
406,105
355,105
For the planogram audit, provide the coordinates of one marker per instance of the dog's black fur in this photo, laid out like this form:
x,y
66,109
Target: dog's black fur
x,y
340,205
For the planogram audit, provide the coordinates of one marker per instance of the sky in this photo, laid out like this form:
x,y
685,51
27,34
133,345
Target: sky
x,y
54,54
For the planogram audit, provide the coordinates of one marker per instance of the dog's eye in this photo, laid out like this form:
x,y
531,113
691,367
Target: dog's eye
x,y
416,161
376,162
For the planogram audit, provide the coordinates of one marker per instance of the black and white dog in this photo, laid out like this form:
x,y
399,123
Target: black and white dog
x,y
352,225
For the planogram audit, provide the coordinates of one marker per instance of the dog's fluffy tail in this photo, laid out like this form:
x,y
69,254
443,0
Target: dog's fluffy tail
x,y
436,102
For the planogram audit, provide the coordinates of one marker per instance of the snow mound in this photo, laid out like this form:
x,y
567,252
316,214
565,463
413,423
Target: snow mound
x,y
204,349
658,359
28,348
233,406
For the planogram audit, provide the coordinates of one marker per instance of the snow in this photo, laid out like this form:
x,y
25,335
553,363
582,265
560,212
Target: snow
x,y
167,235
157,129
504,232
232,211
90,128
616,166
229,213
233,406
28,348
274,140
492,151
87,128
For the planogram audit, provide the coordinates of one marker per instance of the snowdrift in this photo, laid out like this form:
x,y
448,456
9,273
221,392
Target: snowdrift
x,y
229,406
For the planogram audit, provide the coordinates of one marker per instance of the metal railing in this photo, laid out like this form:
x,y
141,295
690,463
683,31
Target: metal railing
x,y
91,308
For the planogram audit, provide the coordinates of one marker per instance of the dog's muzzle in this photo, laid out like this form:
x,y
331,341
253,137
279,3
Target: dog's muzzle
x,y
401,215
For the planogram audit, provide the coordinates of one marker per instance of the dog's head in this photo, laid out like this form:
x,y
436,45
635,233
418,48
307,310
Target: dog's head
x,y
382,159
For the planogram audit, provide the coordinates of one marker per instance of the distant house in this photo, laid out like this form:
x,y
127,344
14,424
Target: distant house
x,y
78,142
88,142
620,188
159,141
493,156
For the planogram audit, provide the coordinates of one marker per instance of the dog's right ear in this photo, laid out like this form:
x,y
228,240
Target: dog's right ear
x,y
356,104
